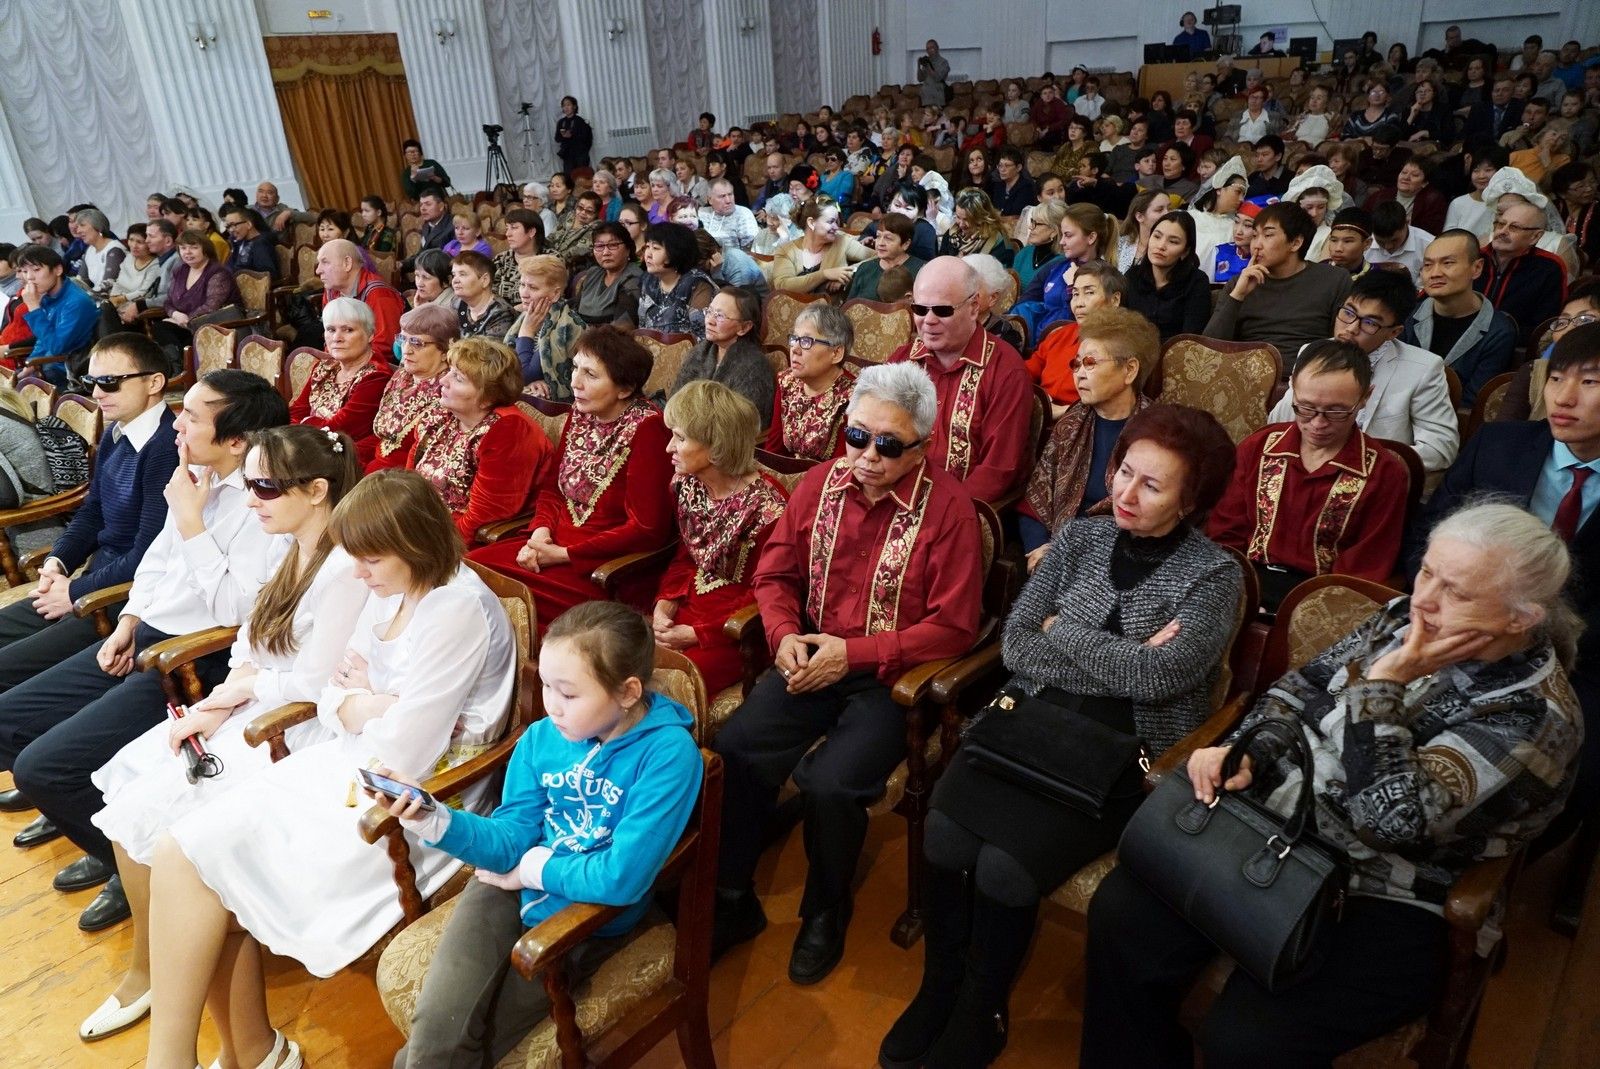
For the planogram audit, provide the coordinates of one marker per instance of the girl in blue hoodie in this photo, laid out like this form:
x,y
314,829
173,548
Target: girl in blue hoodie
x,y
596,796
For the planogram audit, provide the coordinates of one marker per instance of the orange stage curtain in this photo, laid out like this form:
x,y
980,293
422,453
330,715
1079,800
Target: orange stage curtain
x,y
346,109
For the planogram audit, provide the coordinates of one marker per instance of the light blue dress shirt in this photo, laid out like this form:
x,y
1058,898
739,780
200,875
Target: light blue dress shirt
x,y
1555,480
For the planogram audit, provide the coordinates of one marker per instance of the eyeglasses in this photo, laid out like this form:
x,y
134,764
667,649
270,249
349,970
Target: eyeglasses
x,y
943,311
1502,224
1332,415
415,341
714,316
1089,363
113,383
1582,319
272,489
605,246
889,447
805,342
1368,325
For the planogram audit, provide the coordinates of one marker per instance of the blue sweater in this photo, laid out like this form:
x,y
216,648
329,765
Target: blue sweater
x,y
123,512
611,812
64,322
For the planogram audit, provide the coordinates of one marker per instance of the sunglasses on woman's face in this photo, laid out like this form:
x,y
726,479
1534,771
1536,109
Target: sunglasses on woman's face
x,y
272,489
889,447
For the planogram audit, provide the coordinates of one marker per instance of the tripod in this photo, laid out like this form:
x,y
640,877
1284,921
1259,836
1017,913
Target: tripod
x,y
495,168
528,137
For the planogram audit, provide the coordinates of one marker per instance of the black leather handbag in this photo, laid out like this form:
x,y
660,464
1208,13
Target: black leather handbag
x,y
1051,748
1265,889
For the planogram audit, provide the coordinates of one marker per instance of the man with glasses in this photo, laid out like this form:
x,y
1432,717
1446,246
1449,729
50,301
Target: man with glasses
x,y
985,396
1524,398
1410,399
250,248
1316,495
202,570
1456,322
1519,278
875,568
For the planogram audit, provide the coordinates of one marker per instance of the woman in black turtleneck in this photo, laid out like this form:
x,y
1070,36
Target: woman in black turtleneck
x,y
1133,611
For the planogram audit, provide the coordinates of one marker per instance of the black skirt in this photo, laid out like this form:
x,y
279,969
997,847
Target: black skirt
x,y
1049,839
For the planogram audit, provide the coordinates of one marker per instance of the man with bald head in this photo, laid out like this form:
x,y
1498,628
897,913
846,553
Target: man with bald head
x,y
985,396
279,216
343,274
1519,278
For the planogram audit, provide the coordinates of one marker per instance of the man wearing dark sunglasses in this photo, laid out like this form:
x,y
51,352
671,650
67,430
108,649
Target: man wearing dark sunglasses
x,y
203,569
874,569
985,395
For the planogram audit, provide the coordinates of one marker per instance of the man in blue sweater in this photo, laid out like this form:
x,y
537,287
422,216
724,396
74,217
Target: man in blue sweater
x,y
61,315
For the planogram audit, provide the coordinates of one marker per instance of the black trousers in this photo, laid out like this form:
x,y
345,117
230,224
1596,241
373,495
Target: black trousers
x,y
60,726
768,739
1385,967
29,643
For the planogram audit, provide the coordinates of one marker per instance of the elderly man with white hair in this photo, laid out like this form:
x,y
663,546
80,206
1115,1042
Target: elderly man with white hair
x,y
985,394
1520,277
733,225
875,568
344,274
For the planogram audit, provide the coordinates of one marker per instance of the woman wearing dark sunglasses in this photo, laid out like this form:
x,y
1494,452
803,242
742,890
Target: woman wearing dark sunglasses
x,y
285,652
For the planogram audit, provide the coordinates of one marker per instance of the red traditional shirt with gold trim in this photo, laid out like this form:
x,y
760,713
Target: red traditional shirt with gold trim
x,y
899,579
807,427
1348,516
407,401
985,405
484,474
350,407
719,545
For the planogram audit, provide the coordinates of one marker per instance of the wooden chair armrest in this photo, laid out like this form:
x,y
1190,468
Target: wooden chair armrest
x,y
153,314
34,560
45,507
1472,896
271,725
20,349
549,941
738,626
250,321
913,685
1208,733
500,529
168,654
376,822
966,672
615,572
99,600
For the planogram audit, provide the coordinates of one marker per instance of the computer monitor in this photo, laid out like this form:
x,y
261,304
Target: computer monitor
x,y
1166,53
1304,47
1343,45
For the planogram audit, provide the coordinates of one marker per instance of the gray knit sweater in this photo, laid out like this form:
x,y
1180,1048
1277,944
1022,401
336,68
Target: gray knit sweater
x,y
744,370
1170,685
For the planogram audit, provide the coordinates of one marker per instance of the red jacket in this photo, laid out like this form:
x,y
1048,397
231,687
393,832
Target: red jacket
x,y
387,307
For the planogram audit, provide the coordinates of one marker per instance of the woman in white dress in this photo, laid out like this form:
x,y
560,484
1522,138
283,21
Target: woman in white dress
x,y
426,683
285,652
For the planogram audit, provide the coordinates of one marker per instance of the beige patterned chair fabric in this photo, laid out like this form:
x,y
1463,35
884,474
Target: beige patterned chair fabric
x,y
256,289
625,980
40,394
1323,618
1081,885
666,360
778,315
300,362
83,416
722,708
676,677
894,788
878,334
263,357
551,425
1234,387
305,261
213,349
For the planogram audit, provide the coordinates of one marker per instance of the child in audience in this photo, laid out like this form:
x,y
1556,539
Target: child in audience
x,y
1231,259
425,684
596,796
285,652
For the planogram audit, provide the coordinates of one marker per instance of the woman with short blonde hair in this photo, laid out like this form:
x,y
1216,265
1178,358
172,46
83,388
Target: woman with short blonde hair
x,y
344,391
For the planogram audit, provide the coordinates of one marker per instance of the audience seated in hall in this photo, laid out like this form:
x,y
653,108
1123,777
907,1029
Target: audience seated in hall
x,y
821,258
984,394
808,413
1396,243
1456,322
481,312
1324,466
343,391
525,236
412,392
608,292
1521,279
1410,399
251,248
729,354
1087,233
203,570
994,283
606,494
476,448
344,274
547,328
1349,237
891,247
1095,284
885,519
56,315
674,292
1169,285
1524,399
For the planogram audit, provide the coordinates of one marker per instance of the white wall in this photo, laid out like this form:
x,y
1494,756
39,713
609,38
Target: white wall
x,y
288,17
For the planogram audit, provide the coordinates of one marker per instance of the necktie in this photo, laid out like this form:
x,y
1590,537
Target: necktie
x,y
1566,522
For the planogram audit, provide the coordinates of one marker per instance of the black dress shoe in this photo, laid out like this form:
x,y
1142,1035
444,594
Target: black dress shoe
x,y
42,830
739,918
819,946
109,907
82,874
14,801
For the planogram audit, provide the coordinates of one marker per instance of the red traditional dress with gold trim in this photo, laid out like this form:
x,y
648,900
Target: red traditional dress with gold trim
x,y
350,406
1348,516
719,545
900,579
805,426
606,495
985,405
407,401
484,474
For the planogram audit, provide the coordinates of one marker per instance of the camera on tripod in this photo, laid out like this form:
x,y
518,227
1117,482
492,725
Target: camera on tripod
x,y
525,108
493,133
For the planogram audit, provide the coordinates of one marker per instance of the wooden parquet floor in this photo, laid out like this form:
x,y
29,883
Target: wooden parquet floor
x,y
1542,1011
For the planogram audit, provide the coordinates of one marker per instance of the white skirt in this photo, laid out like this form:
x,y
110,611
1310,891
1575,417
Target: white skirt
x,y
146,787
286,859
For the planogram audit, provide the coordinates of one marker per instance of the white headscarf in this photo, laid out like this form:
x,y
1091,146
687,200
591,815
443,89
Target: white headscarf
x,y
1233,168
1318,177
1510,180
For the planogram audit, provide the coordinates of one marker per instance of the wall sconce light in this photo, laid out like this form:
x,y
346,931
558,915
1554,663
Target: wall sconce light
x,y
444,29
747,24
616,27
203,34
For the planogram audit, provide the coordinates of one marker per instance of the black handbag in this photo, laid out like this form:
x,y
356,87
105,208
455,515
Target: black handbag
x,y
1264,889
1051,748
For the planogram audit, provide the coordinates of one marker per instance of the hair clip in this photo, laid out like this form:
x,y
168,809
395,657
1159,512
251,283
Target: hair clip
x,y
334,443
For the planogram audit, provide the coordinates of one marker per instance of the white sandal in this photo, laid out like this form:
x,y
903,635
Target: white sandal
x,y
291,1059
111,1018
